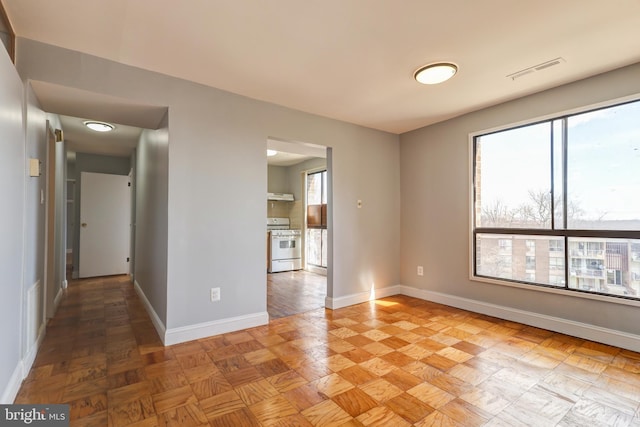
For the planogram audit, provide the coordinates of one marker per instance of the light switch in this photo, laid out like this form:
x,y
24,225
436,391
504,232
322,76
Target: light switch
x,y
359,204
34,167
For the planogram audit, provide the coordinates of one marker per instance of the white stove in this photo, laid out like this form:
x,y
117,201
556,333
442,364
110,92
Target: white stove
x,y
284,246
278,224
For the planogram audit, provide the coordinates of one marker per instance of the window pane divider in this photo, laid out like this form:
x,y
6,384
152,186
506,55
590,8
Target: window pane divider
x,y
613,234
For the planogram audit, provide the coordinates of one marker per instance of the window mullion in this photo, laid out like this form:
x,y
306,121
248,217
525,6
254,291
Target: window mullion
x,y
565,164
565,198
552,170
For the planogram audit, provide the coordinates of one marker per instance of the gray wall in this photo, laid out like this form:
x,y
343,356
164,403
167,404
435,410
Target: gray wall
x,y
35,214
12,188
217,155
436,203
97,164
151,216
278,181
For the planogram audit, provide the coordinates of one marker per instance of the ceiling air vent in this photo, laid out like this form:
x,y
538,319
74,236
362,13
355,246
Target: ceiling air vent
x,y
536,68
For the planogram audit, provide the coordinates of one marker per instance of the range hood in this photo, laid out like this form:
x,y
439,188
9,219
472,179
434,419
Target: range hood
x,y
280,196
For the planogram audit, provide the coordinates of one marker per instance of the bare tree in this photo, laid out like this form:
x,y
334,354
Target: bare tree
x,y
538,210
497,215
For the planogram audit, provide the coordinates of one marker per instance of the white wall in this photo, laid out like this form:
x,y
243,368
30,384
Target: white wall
x,y
217,155
436,204
12,187
151,217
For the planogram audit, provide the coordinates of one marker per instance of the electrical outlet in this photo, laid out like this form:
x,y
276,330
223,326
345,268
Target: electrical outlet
x,y
215,294
420,271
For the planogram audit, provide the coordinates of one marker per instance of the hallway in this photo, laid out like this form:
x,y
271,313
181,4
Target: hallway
x,y
97,343
396,362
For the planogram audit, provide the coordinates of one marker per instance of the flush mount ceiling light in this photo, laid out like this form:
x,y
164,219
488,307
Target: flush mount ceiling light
x,y
99,126
435,73
271,153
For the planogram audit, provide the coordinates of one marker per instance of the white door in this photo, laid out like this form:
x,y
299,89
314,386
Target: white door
x,y
105,220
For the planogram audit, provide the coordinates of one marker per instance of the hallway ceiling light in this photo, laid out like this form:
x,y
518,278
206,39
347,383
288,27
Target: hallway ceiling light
x,y
271,153
99,126
435,73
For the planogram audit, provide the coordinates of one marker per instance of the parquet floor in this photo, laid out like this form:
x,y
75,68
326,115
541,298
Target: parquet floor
x,y
393,362
294,292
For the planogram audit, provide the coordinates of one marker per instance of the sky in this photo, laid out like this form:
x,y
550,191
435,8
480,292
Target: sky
x,y
604,163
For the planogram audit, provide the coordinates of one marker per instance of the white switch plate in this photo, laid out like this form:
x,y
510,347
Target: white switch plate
x,y
420,271
34,167
215,294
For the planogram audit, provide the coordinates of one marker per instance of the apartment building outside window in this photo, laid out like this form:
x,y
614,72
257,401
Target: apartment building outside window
x,y
557,203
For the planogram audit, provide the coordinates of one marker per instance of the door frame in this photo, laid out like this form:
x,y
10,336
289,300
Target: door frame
x,y
49,294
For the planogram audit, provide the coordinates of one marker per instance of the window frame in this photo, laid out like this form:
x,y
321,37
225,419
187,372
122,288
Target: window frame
x,y
563,233
323,227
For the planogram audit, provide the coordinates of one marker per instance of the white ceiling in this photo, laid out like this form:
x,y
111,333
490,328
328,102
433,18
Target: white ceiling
x,y
351,60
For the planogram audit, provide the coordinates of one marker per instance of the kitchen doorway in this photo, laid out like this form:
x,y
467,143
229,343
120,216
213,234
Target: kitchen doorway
x,y
303,287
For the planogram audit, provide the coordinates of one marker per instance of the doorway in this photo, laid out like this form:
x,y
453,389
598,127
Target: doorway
x,y
299,290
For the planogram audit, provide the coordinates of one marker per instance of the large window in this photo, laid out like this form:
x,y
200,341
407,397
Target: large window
x,y
557,203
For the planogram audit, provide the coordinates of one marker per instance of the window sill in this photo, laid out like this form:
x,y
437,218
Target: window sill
x,y
557,291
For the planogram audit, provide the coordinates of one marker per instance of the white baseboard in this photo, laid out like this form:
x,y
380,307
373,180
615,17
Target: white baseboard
x,y
347,300
30,357
201,330
155,319
216,327
65,284
57,299
556,324
22,369
13,386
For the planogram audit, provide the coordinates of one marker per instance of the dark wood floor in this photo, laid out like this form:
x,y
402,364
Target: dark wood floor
x,y
393,362
294,292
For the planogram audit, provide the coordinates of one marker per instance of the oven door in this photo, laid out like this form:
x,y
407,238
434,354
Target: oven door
x,y
285,246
